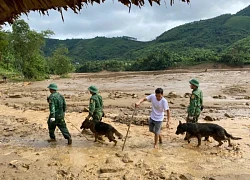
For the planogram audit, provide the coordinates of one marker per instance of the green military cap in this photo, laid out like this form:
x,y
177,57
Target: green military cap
x,y
194,82
93,89
53,86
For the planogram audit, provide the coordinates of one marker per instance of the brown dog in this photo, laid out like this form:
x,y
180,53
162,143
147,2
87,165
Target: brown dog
x,y
101,128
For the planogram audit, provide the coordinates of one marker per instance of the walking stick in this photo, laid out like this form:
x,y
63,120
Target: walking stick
x,y
128,129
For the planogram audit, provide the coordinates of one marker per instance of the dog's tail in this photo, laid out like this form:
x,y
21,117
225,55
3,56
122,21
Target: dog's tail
x,y
231,136
119,135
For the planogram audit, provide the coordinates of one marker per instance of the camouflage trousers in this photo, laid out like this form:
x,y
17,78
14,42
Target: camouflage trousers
x,y
60,123
192,119
97,116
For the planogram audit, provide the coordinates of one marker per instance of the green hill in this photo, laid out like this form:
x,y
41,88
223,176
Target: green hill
x,y
244,12
99,48
209,36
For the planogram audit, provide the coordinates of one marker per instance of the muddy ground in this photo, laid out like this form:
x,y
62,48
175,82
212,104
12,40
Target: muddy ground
x,y
25,153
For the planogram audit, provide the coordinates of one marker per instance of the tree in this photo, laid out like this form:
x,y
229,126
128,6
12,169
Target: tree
x,y
237,54
3,44
157,60
26,45
59,63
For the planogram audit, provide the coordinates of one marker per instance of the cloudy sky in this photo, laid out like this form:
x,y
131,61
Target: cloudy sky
x,y
113,19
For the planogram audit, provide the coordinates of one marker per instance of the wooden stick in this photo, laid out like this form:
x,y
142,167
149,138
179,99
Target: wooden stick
x,y
77,129
128,129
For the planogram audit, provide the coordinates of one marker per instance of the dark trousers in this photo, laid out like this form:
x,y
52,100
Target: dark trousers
x,y
60,123
193,119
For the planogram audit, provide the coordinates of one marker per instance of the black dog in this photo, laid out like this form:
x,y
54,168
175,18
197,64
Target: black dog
x,y
200,130
101,128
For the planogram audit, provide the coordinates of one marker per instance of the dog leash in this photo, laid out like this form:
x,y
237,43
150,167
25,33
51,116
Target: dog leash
x,y
77,129
128,128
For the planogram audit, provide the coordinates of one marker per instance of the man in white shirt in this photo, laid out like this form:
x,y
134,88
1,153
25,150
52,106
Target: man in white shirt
x,y
159,106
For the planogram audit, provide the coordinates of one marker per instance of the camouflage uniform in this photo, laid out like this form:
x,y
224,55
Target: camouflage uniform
x,y
95,105
57,107
196,103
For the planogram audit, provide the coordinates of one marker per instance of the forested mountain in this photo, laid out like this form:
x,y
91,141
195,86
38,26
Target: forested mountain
x,y
99,48
33,55
210,36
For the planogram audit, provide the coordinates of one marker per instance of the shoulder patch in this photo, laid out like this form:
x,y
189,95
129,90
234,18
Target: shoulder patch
x,y
193,96
91,101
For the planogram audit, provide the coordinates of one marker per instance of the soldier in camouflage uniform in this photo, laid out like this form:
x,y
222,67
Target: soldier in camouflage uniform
x,y
196,102
57,107
95,105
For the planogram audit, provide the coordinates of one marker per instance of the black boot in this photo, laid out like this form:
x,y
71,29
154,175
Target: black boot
x,y
69,141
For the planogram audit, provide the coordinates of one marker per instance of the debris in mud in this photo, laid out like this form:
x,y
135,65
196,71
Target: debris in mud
x,y
208,178
126,158
173,94
52,164
219,97
112,160
141,164
211,110
16,164
17,107
13,163
147,163
119,94
119,154
15,96
157,175
183,105
125,119
171,102
9,129
175,176
134,96
108,176
246,97
26,83
234,90
78,109
209,118
111,169
23,119
228,116
187,95
64,174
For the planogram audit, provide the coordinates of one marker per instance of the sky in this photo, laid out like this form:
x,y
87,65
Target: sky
x,y
112,19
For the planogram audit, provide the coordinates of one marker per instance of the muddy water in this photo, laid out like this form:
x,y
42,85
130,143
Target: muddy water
x,y
26,153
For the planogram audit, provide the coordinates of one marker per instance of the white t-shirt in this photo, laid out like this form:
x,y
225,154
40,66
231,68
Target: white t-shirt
x,y
158,107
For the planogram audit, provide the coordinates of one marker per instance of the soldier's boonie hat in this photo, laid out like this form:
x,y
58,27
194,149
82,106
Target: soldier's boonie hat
x,y
194,82
53,86
93,89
